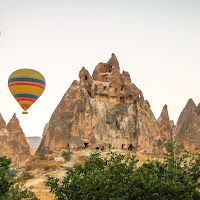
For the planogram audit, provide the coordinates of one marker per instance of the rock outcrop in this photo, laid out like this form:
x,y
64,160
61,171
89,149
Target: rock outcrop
x,y
2,122
190,106
165,125
102,111
188,127
13,142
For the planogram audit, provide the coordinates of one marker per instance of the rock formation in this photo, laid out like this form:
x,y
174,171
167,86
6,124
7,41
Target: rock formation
x,y
190,106
188,127
102,111
13,142
2,122
165,125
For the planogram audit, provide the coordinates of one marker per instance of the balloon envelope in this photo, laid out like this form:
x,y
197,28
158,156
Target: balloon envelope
x,y
26,85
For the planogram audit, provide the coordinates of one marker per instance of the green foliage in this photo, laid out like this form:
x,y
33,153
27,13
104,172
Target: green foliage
x,y
20,192
66,155
11,189
25,176
11,172
5,183
117,177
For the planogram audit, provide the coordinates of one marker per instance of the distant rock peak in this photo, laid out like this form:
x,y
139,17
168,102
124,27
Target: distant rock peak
x,y
2,122
13,142
190,106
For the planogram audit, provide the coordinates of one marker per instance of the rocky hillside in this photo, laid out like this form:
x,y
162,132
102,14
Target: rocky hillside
x,y
188,127
13,142
106,110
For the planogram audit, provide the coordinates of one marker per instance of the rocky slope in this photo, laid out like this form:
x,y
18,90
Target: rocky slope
x,y
13,142
188,127
105,110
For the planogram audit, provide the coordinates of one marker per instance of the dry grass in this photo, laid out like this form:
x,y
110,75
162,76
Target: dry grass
x,y
42,165
42,192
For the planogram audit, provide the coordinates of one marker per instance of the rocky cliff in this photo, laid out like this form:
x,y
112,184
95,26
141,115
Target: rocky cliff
x,y
188,127
13,142
105,110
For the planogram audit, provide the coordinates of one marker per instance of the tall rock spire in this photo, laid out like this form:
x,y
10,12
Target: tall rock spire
x,y
2,122
103,111
190,106
13,142
165,125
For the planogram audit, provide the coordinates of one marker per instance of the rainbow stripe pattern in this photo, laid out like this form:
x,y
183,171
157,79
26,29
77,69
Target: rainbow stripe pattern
x,y
26,85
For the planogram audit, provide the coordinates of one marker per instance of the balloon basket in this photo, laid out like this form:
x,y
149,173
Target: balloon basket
x,y
24,112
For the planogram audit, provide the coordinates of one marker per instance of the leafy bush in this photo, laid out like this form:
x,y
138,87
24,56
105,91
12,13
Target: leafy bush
x,y
20,192
5,182
66,155
11,172
25,176
11,189
118,177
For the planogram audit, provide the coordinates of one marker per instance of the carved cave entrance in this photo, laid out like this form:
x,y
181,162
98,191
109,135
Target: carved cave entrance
x,y
86,145
130,147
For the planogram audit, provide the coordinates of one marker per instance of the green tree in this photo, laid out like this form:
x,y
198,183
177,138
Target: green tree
x,y
5,182
118,177
10,188
18,191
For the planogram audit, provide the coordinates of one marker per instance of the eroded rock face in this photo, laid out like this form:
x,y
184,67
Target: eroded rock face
x,y
13,142
2,122
102,111
190,106
165,125
188,127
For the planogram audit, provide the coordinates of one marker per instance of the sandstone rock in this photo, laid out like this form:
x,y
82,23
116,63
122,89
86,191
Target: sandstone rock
x,y
102,111
197,110
186,112
16,131
189,133
188,127
2,122
165,125
13,143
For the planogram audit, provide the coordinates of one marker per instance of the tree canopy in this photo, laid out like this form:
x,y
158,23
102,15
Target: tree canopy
x,y
10,188
117,177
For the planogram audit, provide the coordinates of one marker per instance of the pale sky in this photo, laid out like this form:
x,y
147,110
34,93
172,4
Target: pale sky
x,y
156,41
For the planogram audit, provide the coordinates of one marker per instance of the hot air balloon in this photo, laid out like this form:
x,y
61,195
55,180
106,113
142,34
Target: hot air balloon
x,y
26,85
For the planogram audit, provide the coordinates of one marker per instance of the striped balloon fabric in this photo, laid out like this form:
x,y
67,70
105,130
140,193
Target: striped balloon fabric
x,y
26,85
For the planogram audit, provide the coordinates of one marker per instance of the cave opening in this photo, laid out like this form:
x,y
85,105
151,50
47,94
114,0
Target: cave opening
x,y
117,124
130,147
86,145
